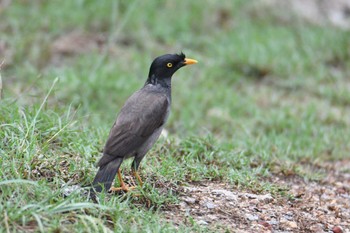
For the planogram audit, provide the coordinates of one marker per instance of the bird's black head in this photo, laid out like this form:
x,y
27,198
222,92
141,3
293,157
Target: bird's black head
x,y
165,66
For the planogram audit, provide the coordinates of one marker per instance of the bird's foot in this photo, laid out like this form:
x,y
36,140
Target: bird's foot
x,y
124,188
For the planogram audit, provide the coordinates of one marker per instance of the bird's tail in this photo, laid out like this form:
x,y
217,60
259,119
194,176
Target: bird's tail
x,y
105,176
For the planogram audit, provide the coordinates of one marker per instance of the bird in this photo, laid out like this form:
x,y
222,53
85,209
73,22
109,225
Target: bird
x,y
139,123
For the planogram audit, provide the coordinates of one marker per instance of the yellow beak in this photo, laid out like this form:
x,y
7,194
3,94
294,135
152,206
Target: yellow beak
x,y
189,61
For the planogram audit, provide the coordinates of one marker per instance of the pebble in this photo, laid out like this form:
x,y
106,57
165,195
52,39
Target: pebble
x,y
292,224
265,224
210,205
68,190
183,204
337,229
228,194
273,222
254,201
288,215
251,217
317,228
289,224
212,217
189,200
202,222
267,198
251,196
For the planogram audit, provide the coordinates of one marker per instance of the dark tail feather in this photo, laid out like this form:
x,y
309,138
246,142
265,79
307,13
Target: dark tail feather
x,y
105,176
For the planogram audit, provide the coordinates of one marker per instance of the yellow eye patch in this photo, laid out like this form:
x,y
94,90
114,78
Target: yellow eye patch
x,y
169,65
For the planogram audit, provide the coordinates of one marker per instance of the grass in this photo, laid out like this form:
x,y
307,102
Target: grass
x,y
266,98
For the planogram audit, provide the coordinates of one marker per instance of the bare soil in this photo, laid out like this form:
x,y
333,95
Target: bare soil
x,y
310,206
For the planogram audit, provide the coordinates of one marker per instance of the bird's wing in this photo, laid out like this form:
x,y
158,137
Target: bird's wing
x,y
143,113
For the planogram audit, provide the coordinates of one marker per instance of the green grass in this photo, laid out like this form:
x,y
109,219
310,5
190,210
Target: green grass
x,y
265,98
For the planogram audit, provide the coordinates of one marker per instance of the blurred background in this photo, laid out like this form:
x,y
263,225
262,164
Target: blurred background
x,y
272,75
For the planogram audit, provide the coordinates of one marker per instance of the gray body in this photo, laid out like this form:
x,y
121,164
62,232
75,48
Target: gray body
x,y
138,126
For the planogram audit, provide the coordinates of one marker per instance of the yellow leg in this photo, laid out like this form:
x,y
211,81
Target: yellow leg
x,y
138,178
122,187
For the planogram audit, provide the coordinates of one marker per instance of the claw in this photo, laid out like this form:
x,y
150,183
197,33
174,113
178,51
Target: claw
x,y
122,188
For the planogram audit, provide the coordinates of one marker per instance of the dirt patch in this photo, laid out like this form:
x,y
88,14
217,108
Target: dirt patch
x,y
74,43
309,207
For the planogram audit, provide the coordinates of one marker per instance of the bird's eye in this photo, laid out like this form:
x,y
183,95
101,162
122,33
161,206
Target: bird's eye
x,y
169,65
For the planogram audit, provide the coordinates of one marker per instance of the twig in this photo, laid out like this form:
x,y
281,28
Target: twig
x,y
6,222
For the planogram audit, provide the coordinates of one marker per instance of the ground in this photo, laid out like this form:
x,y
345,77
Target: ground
x,y
310,206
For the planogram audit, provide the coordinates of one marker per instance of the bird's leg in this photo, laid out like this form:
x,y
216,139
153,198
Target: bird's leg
x,y
136,174
123,186
134,167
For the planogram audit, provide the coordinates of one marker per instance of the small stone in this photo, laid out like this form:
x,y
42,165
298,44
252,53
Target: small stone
x,y
202,222
326,197
251,217
212,217
68,190
190,189
317,228
291,224
273,222
267,198
210,205
251,196
228,194
288,215
189,200
183,204
265,224
337,229
230,203
254,201
337,221
256,227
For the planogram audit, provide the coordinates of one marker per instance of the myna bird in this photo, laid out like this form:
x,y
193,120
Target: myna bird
x,y
139,123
